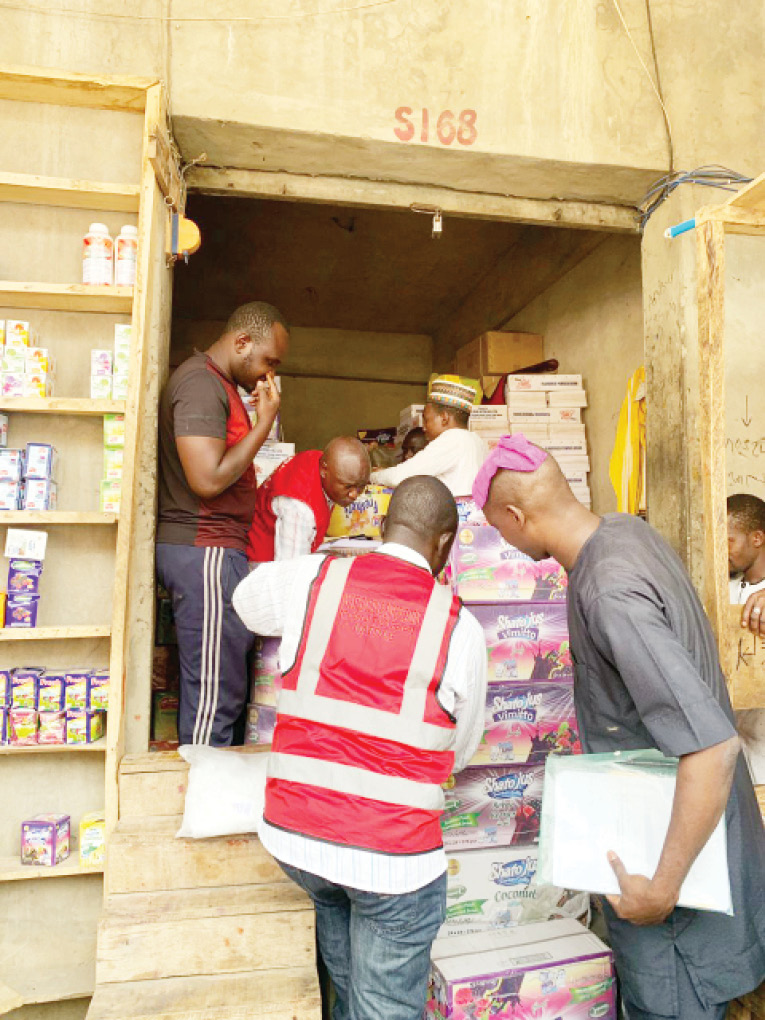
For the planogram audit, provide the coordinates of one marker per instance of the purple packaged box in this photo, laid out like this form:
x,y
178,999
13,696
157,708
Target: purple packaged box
x,y
4,719
84,727
266,676
39,494
45,839
98,693
50,697
493,805
486,569
76,691
261,720
527,721
52,728
24,576
11,465
21,610
526,641
6,688
24,688
40,460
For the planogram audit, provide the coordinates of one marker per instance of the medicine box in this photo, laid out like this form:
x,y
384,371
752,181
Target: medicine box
x,y
10,493
114,431
550,970
45,839
486,569
21,610
93,839
123,333
101,363
25,544
17,333
40,494
494,805
497,888
526,641
11,465
113,463
37,384
111,495
40,460
524,722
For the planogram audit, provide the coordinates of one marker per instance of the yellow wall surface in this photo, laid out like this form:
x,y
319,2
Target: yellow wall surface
x,y
592,321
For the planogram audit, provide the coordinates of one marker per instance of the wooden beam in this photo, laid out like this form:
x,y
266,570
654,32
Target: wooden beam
x,y
751,198
535,262
31,189
390,194
38,85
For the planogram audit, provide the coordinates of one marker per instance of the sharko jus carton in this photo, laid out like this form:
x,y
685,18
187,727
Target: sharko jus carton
x,y
526,642
527,721
496,805
486,569
497,888
551,970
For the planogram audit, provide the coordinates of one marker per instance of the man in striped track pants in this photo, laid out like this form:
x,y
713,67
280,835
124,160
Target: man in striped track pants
x,y
207,495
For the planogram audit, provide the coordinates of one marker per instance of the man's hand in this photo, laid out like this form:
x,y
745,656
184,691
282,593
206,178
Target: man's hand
x,y
642,902
268,399
753,615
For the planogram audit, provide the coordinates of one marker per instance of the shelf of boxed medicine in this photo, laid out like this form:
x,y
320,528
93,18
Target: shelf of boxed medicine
x,y
31,189
62,405
12,870
53,633
96,747
66,297
23,517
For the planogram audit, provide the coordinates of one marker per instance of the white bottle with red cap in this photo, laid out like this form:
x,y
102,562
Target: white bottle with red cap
x,y
126,256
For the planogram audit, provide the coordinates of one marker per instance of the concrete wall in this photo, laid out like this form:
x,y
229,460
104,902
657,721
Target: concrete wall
x,y
592,322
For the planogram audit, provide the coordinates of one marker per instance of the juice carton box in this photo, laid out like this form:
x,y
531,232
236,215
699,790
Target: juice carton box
x,y
120,386
495,805
45,839
362,517
50,697
486,569
22,726
526,641
111,497
98,694
77,692
100,387
265,675
550,970
52,728
93,839
525,722
21,610
24,576
17,333
261,721
113,464
40,460
497,888
10,494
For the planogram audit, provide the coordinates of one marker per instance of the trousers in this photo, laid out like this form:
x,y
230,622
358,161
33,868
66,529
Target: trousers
x,y
376,947
213,643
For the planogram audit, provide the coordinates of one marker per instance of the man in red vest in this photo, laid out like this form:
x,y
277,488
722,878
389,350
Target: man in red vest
x,y
383,695
294,504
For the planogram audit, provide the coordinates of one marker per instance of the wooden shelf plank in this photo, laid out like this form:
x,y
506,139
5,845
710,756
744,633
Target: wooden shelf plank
x,y
97,747
31,189
53,633
37,85
67,297
22,517
62,405
12,870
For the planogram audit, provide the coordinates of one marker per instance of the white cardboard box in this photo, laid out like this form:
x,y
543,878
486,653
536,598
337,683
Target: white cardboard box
x,y
562,447
525,399
488,416
566,398
550,416
543,382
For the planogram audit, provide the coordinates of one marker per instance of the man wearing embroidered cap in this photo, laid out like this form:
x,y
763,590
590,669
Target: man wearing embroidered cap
x,y
453,454
648,676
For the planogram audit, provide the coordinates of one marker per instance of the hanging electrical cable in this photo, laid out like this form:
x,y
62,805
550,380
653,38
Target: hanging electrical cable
x,y
711,176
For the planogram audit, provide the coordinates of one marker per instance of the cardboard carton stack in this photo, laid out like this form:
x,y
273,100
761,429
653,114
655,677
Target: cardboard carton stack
x,y
493,807
492,355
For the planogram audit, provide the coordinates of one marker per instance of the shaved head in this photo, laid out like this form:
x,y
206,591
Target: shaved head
x,y
345,469
531,491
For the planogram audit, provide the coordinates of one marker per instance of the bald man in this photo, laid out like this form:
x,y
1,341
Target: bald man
x,y
648,676
294,504
386,703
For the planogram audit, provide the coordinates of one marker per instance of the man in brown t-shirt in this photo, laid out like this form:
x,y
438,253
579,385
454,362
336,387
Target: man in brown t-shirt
x,y
206,502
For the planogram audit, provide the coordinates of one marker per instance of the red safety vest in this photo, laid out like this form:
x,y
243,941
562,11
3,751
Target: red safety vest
x,y
361,744
298,478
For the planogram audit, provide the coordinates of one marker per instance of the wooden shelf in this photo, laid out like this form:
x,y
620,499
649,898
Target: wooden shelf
x,y
52,633
22,517
30,189
12,870
66,297
97,747
62,405
37,85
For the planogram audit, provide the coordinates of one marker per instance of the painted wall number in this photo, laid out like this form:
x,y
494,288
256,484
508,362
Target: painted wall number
x,y
447,128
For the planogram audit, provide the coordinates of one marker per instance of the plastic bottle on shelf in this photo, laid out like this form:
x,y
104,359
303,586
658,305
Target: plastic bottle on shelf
x,y
126,258
97,256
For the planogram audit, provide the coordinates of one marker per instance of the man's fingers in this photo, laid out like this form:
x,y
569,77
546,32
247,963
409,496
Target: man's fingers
x,y
619,870
615,902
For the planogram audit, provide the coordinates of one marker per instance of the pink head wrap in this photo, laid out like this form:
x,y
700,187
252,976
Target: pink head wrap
x,y
512,453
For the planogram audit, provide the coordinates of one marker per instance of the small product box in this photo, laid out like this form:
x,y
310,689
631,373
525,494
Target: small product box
x,y
111,494
13,384
51,693
40,494
38,359
25,686
77,692
567,398
100,387
497,888
542,382
25,544
526,722
113,461
362,517
11,465
119,387
10,494
552,416
5,713
52,728
3,431
495,805
21,610
530,400
265,674
121,362
22,727
114,431
526,641
98,693
271,456
13,361
486,569
6,688
24,576
123,334
84,727
101,364
36,384
45,839
93,840
17,333
261,722
551,970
